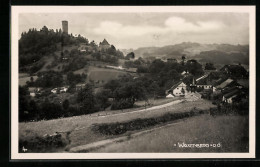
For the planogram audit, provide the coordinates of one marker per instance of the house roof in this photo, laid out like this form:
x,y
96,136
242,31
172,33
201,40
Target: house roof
x,y
104,42
205,82
170,95
234,68
33,89
225,83
243,82
80,85
176,85
202,77
231,89
232,93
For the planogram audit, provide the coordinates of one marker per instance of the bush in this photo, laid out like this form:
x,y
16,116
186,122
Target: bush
x,y
137,124
122,104
44,143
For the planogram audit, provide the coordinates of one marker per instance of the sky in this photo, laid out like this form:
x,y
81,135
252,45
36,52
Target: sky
x,y
134,30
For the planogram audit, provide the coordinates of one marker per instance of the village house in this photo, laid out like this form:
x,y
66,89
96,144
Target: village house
x,y
82,48
227,83
54,90
205,83
64,89
179,89
243,83
228,97
185,73
60,90
80,86
237,71
34,91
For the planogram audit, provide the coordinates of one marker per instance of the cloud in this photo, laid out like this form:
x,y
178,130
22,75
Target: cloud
x,y
171,25
117,29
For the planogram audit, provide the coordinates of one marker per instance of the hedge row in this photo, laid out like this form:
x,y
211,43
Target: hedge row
x,y
137,124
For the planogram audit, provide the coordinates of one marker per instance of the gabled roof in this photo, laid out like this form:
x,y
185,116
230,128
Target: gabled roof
x,y
225,83
176,85
205,82
243,82
234,68
232,93
202,77
229,89
104,42
184,72
34,89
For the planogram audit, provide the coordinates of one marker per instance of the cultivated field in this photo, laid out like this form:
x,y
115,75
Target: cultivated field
x,y
100,74
24,77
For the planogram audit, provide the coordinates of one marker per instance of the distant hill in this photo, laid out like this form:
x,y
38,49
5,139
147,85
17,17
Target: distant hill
x,y
218,53
220,57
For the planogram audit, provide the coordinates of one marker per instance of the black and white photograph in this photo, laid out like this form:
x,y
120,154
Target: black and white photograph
x,y
106,82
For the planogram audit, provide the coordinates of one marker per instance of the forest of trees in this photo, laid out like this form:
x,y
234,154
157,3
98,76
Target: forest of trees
x,y
35,44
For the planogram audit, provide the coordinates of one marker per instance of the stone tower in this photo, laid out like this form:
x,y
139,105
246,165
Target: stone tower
x,y
65,26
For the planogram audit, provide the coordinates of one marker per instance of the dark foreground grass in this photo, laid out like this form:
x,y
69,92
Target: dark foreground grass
x,y
43,143
119,128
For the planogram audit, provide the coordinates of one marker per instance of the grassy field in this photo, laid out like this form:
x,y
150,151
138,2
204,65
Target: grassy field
x,y
24,78
83,124
155,102
230,131
100,74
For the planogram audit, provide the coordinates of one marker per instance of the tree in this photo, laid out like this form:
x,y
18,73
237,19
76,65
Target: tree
x,y
142,69
156,66
130,55
112,85
194,67
86,99
209,66
102,98
66,104
31,79
153,88
49,79
23,103
183,58
132,91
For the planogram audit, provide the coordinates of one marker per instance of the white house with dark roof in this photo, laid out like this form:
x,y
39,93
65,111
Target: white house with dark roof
x,y
34,90
185,73
179,89
227,83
